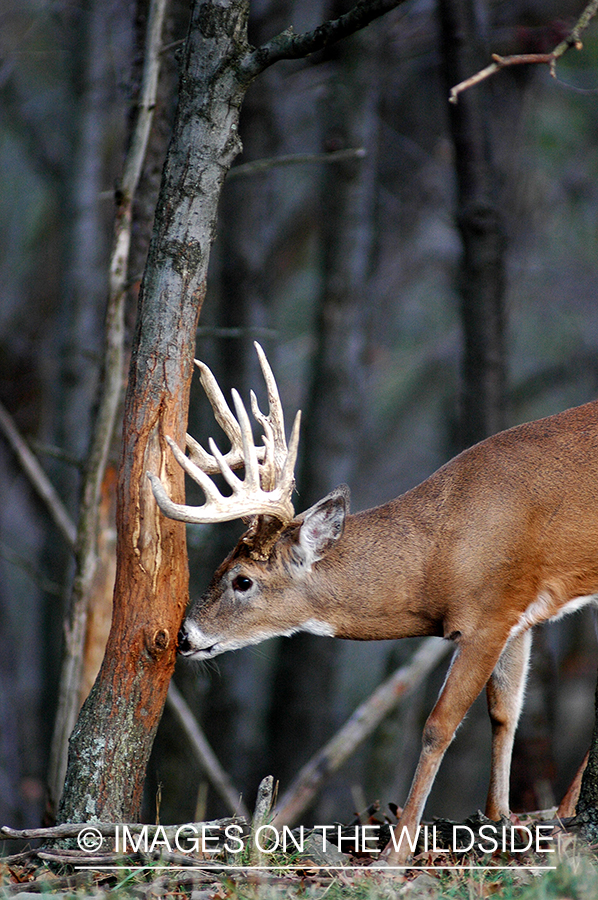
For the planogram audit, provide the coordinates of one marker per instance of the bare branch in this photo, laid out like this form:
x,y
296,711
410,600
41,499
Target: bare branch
x,y
105,829
289,45
258,166
38,478
356,729
573,39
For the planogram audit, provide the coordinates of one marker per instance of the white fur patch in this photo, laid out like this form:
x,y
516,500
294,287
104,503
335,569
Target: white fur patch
x,y
207,646
314,626
544,607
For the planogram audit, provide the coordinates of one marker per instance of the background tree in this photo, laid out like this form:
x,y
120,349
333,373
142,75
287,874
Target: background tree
x,y
481,278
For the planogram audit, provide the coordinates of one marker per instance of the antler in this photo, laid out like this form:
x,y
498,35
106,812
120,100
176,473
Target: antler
x,y
269,478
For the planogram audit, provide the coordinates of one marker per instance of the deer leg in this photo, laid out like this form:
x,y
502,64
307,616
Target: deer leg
x,y
472,666
505,691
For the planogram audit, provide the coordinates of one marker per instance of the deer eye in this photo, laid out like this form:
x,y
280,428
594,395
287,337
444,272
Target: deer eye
x,y
242,583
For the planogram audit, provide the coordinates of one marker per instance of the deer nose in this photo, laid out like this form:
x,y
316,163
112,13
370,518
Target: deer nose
x,y
183,645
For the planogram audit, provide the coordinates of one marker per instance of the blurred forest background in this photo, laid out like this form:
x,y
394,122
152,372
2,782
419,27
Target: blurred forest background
x,y
350,273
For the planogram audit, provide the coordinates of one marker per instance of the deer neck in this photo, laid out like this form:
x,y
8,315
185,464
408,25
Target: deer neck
x,y
368,588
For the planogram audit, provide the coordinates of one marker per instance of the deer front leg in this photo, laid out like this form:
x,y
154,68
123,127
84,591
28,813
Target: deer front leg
x,y
470,669
505,691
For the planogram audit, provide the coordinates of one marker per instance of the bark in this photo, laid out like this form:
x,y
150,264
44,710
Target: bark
x,y
481,276
112,740
587,806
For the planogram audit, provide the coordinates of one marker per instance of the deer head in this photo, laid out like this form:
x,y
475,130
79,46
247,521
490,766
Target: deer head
x,y
278,549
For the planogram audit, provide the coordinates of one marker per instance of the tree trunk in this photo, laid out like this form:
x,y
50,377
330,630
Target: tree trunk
x,y
112,740
481,277
586,810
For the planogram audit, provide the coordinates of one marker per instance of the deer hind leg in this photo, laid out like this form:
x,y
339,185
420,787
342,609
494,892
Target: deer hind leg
x,y
505,691
472,666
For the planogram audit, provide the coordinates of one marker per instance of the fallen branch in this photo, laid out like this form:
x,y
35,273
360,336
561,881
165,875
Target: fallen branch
x,y
263,806
110,829
573,39
356,729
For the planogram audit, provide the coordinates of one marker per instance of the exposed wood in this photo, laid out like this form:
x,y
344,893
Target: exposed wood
x,y
569,802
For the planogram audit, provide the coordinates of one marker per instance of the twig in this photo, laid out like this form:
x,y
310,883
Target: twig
x,y
111,860
573,39
257,166
21,562
356,729
88,530
263,806
289,45
38,478
204,753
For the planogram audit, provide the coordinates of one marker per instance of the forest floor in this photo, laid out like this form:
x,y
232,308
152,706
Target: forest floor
x,y
442,867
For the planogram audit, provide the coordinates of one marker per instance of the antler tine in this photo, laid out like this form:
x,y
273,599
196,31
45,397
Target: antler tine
x,y
287,477
222,412
252,472
275,416
223,415
269,481
204,481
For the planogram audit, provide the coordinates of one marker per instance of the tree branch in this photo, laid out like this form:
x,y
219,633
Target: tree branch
x,y
289,45
259,166
573,39
38,478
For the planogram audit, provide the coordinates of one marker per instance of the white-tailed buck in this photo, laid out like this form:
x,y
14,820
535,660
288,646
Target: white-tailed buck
x,y
502,537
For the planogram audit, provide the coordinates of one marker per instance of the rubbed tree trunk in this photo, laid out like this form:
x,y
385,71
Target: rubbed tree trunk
x,y
113,737
481,276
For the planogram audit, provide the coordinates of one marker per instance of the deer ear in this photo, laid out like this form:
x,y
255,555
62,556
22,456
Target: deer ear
x,y
322,525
